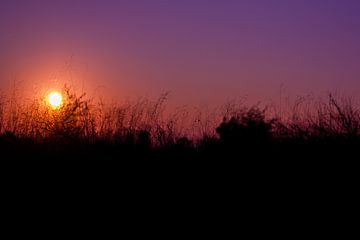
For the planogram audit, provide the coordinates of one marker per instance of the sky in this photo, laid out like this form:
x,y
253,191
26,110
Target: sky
x,y
201,51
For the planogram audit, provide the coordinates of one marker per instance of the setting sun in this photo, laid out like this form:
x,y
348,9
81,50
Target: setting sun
x,y
55,99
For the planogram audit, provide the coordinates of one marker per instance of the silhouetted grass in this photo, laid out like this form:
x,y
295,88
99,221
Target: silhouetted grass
x,y
85,129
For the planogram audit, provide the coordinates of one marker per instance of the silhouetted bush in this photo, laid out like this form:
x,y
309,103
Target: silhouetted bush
x,y
247,128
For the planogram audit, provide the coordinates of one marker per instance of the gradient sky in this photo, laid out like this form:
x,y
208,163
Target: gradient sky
x,y
202,51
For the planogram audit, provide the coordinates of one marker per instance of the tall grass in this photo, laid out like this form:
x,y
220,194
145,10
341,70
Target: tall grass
x,y
147,123
335,118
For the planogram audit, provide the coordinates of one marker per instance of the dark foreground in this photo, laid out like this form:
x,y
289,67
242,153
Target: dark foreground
x,y
256,182
215,159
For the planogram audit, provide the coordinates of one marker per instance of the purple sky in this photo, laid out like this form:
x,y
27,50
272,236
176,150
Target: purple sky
x,y
201,51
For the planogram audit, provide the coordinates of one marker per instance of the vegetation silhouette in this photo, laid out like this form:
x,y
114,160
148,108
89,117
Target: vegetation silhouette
x,y
247,128
85,129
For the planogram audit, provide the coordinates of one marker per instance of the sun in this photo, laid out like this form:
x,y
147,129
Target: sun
x,y
55,99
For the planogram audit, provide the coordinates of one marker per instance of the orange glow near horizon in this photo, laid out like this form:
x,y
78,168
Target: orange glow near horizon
x,y
55,99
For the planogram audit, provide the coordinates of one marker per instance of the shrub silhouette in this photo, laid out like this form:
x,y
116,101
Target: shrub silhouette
x,y
247,128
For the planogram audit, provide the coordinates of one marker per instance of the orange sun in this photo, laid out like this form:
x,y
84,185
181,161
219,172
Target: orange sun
x,y
55,99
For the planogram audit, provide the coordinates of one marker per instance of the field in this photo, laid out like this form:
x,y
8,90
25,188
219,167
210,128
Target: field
x,y
144,129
